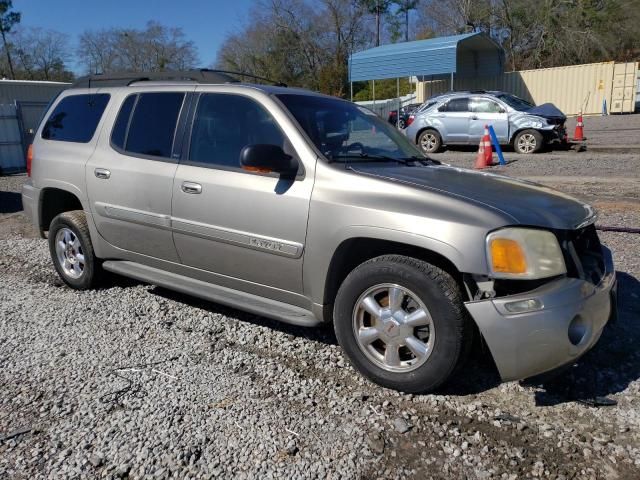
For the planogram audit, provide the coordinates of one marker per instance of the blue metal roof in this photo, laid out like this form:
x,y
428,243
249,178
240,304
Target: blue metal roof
x,y
469,53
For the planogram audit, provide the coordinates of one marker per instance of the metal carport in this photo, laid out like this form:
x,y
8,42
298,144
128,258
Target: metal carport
x,y
466,55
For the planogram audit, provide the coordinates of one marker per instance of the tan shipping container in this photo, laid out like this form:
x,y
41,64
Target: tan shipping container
x,y
572,89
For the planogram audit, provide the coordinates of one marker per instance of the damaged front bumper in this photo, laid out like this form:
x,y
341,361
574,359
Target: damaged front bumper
x,y
566,319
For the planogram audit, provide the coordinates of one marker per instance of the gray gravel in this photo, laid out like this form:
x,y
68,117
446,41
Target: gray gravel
x,y
133,380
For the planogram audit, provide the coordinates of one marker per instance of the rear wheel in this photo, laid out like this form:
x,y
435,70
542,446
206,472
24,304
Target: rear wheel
x,y
528,141
430,141
71,250
401,323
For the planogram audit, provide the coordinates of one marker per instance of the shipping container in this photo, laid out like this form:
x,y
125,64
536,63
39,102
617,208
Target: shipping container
x,y
573,89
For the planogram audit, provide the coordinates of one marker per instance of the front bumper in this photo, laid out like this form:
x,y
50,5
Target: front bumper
x,y
570,322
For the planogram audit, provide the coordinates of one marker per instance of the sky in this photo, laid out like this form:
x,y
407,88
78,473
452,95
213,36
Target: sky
x,y
206,22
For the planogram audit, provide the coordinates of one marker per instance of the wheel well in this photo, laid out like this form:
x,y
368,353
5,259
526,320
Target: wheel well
x,y
513,136
53,202
355,251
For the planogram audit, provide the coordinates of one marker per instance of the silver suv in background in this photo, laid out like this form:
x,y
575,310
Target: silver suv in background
x,y
311,210
459,118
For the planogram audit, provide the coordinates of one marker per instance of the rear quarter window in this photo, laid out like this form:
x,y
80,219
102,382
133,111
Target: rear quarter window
x,y
75,118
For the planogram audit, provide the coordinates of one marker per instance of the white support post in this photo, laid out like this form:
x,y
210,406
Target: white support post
x,y
373,91
398,93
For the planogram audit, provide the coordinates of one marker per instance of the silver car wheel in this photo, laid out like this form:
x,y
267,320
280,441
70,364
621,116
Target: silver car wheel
x,y
527,143
69,253
428,142
393,328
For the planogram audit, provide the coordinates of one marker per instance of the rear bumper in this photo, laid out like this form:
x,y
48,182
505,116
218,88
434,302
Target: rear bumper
x,y
570,322
30,199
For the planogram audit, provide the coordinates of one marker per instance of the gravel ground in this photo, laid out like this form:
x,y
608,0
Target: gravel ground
x,y
133,380
610,130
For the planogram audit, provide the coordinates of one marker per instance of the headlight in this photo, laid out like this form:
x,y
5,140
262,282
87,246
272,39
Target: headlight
x,y
524,253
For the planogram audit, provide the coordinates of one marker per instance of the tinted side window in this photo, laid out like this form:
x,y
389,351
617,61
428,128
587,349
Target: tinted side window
x,y
119,133
456,105
75,118
482,105
153,123
224,124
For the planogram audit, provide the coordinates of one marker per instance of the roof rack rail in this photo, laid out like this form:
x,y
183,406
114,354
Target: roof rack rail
x,y
203,75
250,75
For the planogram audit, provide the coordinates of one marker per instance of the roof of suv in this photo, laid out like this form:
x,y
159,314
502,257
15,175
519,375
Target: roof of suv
x,y
201,76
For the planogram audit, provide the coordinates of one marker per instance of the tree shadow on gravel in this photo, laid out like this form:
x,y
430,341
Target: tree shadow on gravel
x,y
611,365
323,333
10,202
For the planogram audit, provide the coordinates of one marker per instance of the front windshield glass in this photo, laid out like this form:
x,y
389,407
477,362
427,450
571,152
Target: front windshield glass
x,y
515,102
342,130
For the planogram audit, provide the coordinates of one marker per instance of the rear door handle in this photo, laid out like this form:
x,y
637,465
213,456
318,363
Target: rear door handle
x,y
191,187
474,118
102,173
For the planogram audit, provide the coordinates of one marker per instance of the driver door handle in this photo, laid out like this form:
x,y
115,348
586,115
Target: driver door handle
x,y
191,187
102,173
474,117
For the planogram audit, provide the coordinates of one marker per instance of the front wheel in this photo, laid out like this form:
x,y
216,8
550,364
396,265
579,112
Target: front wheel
x,y
528,141
71,250
401,322
430,141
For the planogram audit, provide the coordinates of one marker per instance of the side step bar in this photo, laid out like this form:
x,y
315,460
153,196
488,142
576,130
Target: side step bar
x,y
214,293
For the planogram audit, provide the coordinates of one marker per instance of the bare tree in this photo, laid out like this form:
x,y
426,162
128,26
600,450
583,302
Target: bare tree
x,y
299,42
155,48
50,51
8,20
41,54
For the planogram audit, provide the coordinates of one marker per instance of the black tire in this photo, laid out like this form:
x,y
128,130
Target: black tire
x,y
430,141
528,141
441,295
75,222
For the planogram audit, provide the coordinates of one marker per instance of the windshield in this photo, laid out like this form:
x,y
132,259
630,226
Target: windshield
x,y
344,130
515,102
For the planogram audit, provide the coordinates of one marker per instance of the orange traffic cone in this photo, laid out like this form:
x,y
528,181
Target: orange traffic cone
x,y
488,149
484,158
579,134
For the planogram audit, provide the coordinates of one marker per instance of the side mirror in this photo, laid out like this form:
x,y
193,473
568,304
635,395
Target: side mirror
x,y
262,158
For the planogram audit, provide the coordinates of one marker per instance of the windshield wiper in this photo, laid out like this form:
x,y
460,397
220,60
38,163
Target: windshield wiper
x,y
366,157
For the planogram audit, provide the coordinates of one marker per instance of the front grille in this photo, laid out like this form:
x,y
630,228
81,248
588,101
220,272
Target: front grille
x,y
583,254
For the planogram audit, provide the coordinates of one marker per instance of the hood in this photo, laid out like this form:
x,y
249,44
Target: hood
x,y
525,203
547,110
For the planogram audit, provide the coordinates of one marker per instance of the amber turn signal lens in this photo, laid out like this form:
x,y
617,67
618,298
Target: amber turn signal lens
x,y
507,256
256,169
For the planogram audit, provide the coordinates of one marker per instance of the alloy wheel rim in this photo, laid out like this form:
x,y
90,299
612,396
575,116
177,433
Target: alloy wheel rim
x,y
393,328
527,143
428,142
69,253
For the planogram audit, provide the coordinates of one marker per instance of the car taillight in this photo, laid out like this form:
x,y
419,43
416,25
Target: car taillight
x,y
410,120
29,159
